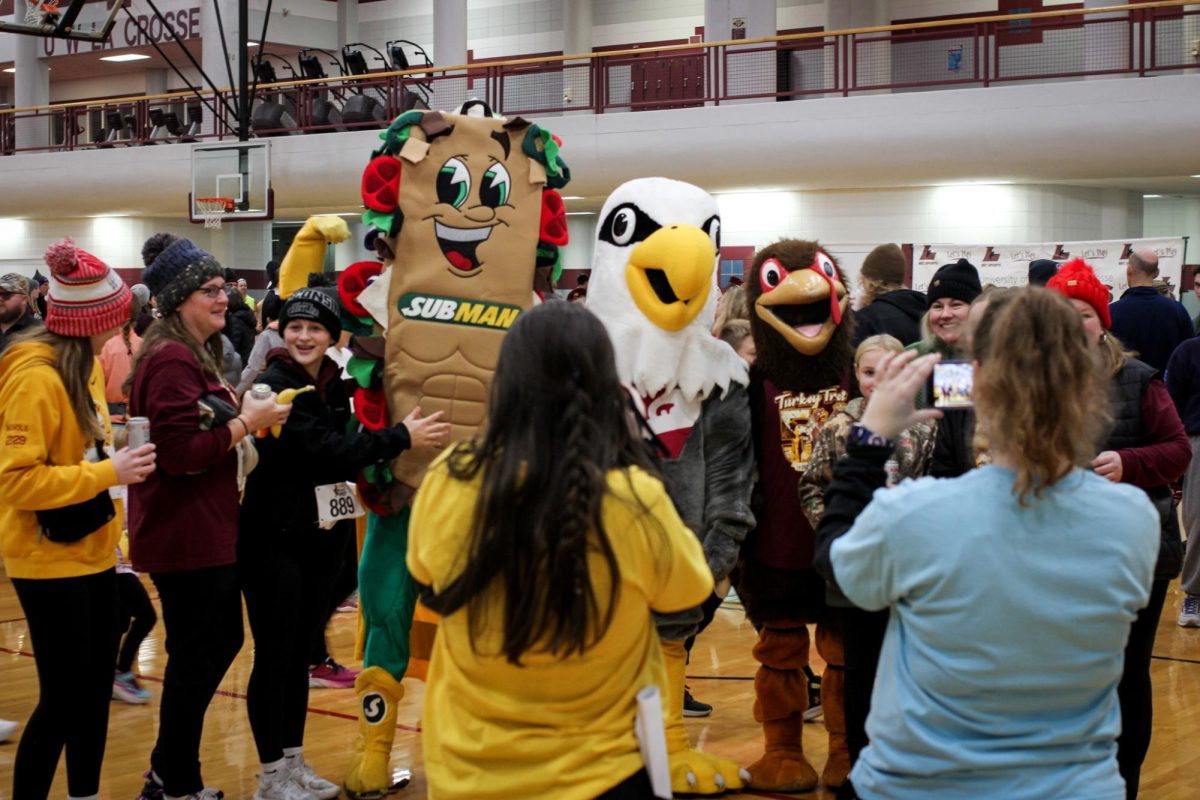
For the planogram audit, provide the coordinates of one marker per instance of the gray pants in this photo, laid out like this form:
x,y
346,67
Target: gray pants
x,y
1190,581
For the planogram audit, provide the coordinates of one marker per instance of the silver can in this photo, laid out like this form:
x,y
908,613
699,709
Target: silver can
x,y
260,391
138,430
892,467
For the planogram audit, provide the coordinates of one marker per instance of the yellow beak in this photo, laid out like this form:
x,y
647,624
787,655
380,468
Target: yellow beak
x,y
670,275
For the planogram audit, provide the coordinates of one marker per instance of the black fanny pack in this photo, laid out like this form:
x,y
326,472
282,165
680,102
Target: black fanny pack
x,y
72,523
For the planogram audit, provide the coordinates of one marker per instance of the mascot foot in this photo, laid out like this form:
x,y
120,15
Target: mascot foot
x,y
369,777
783,771
693,772
837,767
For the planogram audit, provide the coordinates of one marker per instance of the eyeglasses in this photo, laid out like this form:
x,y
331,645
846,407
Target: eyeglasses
x,y
212,292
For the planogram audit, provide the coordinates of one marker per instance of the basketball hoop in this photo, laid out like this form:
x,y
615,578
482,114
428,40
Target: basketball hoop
x,y
211,208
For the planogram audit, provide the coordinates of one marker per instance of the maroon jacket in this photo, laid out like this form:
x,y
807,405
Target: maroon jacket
x,y
185,516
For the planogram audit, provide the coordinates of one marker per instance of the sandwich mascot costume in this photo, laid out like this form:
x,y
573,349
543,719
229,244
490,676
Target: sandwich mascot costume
x,y
802,325
653,285
467,225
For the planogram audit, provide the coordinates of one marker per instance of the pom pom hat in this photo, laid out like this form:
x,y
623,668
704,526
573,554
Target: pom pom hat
x,y
86,297
1078,281
175,268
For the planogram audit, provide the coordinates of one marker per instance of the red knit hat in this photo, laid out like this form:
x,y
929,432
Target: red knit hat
x,y
1078,281
86,297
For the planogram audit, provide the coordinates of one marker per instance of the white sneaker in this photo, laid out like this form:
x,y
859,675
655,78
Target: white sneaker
x,y
7,729
278,785
304,777
1189,615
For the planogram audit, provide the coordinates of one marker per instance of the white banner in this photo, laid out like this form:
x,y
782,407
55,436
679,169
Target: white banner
x,y
1008,264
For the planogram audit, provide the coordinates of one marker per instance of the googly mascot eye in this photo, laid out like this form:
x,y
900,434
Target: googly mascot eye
x,y
653,285
802,324
467,225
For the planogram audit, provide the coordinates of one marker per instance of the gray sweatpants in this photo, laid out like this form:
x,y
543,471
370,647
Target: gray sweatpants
x,y
1190,581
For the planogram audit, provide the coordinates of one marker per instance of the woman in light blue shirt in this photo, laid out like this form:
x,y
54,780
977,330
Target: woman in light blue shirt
x,y
1012,588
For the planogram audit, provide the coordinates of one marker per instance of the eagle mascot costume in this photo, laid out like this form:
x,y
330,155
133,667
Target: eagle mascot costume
x,y
802,325
653,285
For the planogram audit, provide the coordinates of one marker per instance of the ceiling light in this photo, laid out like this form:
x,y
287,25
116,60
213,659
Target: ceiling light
x,y
581,213
572,197
1151,196
251,44
125,57
11,69
1194,176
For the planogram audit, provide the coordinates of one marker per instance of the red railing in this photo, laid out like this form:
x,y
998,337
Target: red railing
x,y
1149,39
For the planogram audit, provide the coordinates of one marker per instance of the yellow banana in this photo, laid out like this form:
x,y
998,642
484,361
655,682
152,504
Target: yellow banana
x,y
307,253
285,397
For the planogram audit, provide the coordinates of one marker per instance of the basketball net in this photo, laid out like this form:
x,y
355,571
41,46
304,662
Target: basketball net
x,y
211,208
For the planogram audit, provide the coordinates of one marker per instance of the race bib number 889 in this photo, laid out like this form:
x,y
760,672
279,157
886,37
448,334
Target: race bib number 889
x,y
336,502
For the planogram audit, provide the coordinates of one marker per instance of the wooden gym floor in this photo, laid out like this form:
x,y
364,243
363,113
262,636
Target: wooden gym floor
x,y
721,673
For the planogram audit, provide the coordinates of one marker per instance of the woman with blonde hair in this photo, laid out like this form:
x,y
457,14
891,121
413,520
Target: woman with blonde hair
x,y
1148,448
1000,664
731,305
58,525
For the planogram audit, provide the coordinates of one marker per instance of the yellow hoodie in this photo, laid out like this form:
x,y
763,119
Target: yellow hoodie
x,y
42,466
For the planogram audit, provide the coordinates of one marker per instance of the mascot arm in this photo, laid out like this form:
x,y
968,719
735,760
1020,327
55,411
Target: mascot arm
x,y
307,253
855,479
728,479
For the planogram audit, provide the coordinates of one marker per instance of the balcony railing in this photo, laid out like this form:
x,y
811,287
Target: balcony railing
x,y
1133,40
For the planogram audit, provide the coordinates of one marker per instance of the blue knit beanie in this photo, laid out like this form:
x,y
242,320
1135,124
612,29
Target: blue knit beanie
x,y
175,268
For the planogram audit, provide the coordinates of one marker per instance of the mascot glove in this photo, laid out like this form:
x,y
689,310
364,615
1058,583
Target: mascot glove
x,y
721,553
332,229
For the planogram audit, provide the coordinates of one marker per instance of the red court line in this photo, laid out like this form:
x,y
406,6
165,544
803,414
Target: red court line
x,y
237,696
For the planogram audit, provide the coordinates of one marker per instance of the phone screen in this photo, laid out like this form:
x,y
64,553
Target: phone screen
x,y
952,384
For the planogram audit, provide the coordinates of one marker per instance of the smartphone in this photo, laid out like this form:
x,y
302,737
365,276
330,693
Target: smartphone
x,y
953,382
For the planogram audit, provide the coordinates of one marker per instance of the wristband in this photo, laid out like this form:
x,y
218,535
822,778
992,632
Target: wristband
x,y
862,435
245,427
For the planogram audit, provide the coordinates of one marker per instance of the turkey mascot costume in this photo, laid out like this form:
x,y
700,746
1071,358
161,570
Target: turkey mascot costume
x,y
653,285
467,226
802,325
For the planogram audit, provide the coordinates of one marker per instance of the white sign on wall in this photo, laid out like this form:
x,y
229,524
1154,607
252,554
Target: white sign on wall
x,y
180,16
1008,265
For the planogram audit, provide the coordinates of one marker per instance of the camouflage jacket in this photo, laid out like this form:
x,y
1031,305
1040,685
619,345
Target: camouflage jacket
x,y
914,447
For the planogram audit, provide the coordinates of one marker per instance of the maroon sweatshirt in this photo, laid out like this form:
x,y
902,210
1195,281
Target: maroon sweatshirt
x,y
185,516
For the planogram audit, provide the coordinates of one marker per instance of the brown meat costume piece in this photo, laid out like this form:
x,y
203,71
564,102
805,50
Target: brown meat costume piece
x,y
468,226
802,326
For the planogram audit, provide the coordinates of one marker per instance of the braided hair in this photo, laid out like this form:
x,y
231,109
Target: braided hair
x,y
558,425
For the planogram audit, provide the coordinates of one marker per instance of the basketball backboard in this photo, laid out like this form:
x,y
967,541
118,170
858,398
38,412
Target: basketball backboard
x,y
237,171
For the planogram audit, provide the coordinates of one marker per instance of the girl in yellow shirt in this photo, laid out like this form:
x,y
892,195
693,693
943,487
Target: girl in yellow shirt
x,y
546,545
58,526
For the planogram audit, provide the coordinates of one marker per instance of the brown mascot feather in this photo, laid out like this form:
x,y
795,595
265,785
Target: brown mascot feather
x,y
802,325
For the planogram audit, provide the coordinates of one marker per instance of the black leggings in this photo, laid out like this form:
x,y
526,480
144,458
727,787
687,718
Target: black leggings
x,y
71,622
288,580
202,614
343,586
862,637
135,620
1135,693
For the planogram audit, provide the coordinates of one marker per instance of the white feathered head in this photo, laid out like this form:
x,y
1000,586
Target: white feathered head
x,y
654,285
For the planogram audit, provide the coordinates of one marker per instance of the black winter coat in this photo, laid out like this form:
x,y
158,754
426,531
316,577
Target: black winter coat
x,y
897,313
240,327
313,449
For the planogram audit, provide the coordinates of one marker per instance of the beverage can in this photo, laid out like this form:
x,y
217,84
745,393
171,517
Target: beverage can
x,y
138,430
260,391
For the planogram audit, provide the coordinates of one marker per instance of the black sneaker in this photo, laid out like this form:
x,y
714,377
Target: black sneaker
x,y
693,707
813,712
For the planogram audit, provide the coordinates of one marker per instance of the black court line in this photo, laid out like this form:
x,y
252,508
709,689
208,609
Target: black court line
x,y
237,696
1180,660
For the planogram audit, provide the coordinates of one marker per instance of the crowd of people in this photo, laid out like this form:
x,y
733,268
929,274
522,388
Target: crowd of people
x,y
1010,659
